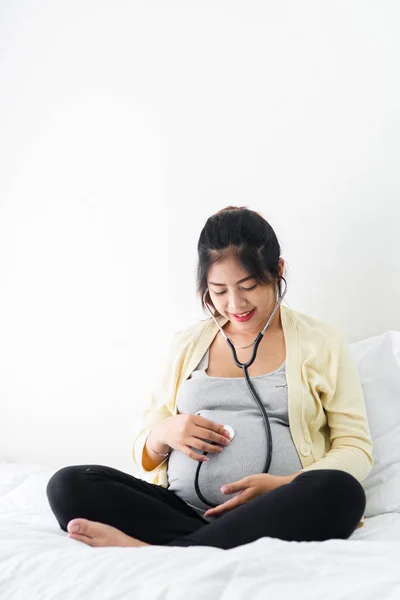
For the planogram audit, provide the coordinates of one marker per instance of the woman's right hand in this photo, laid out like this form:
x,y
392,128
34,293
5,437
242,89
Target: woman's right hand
x,y
184,432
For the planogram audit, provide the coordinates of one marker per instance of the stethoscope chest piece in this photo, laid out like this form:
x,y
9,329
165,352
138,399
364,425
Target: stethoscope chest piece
x,y
230,430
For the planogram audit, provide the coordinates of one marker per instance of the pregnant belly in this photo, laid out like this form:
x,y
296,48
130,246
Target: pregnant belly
x,y
236,461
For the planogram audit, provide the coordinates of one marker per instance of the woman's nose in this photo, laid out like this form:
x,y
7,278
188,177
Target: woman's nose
x,y
237,308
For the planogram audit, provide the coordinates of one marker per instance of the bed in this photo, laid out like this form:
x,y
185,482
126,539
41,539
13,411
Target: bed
x,y
39,562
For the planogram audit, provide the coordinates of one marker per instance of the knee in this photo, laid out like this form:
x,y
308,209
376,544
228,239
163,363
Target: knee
x,y
340,501
342,489
341,480
62,482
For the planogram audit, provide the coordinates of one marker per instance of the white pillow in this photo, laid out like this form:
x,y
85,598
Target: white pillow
x,y
378,364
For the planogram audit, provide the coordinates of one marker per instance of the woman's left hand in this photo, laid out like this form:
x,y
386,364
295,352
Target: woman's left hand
x,y
248,488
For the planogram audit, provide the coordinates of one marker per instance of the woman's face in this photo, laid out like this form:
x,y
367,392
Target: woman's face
x,y
233,296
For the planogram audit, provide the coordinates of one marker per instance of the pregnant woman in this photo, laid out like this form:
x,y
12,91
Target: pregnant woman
x,y
215,470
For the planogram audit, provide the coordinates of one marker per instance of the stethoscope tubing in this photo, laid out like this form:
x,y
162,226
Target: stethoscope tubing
x,y
253,392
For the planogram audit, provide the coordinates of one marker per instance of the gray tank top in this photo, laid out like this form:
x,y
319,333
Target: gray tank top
x,y
228,401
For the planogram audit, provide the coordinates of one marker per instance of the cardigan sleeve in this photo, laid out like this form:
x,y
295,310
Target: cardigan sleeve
x,y
344,405
159,405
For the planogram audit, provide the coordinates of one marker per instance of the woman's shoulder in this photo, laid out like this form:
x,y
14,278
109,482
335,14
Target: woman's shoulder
x,y
310,327
192,333
319,341
194,329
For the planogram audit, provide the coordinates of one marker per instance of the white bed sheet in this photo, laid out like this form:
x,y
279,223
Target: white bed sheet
x,y
39,562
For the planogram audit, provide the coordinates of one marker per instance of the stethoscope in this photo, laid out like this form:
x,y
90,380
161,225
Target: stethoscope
x,y
243,366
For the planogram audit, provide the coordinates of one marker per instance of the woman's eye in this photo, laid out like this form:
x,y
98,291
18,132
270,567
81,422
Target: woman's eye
x,y
246,289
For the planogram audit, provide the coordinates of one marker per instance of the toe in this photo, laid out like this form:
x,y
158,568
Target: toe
x,y
81,523
81,538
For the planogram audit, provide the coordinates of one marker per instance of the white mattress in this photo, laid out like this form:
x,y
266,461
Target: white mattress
x,y
39,562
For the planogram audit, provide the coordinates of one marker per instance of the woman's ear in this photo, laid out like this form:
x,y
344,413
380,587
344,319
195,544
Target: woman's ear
x,y
281,266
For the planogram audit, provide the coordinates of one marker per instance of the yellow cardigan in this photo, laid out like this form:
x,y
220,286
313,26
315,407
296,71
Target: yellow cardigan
x,y
327,414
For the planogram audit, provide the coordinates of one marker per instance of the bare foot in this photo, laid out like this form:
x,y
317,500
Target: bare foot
x,y
99,534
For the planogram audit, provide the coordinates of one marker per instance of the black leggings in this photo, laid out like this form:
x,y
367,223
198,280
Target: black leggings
x,y
316,506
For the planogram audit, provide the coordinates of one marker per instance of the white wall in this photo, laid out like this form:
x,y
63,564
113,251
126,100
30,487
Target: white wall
x,y
123,127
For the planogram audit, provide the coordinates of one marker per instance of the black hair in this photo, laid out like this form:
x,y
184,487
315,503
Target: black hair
x,y
244,234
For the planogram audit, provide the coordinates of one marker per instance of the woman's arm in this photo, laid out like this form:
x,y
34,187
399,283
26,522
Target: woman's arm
x,y
151,455
344,405
159,407
145,459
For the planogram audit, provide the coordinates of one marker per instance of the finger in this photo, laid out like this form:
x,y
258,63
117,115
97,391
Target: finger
x,y
212,426
192,454
204,446
228,505
235,486
211,436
